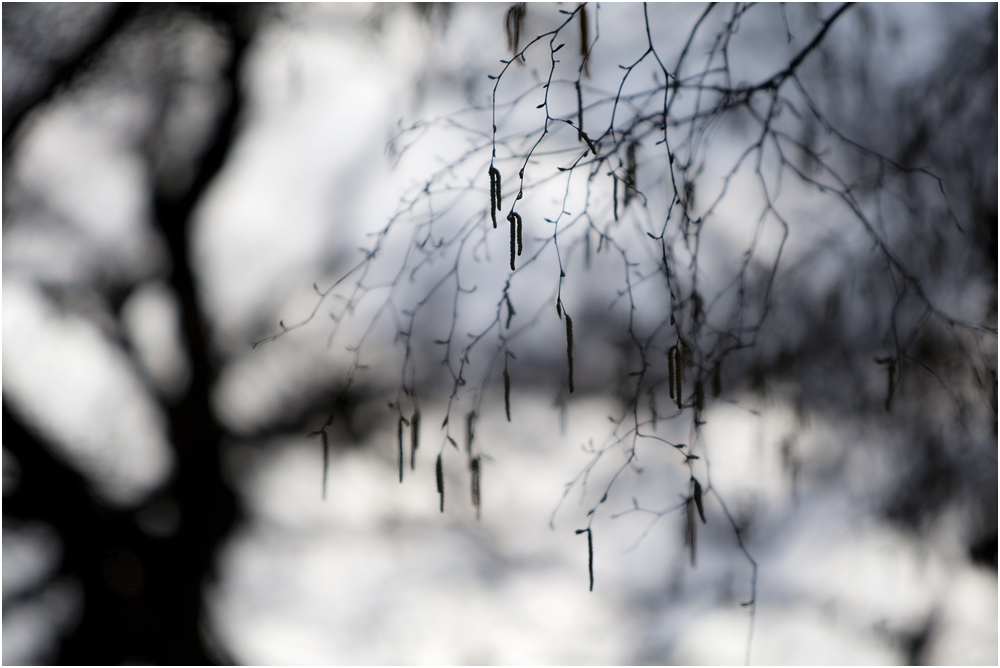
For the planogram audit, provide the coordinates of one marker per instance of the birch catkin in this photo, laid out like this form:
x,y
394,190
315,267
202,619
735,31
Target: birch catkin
x,y
470,423
514,22
697,500
569,349
652,406
493,195
474,467
414,438
671,371
506,393
493,188
689,530
629,172
520,242
590,557
400,434
579,110
678,367
439,476
614,197
326,459
513,239
892,385
499,200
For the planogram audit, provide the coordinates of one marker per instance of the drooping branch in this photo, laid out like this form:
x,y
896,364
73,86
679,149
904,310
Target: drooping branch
x,y
638,187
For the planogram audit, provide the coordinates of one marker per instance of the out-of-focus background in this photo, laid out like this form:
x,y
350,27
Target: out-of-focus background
x,y
178,177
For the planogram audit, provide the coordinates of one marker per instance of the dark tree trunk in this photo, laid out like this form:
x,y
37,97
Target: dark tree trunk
x,y
143,594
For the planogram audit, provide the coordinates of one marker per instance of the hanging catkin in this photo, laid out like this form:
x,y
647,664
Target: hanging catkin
x,y
678,368
697,500
569,349
439,476
590,557
470,421
579,111
514,23
400,434
474,468
629,172
520,242
493,195
689,530
671,371
614,197
498,188
892,385
513,238
652,406
326,457
506,393
414,438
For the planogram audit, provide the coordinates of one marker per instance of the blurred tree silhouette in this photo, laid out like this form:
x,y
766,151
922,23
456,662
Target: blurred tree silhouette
x,y
636,232
142,592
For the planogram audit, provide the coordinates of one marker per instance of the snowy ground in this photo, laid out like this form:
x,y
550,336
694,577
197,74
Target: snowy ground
x,y
375,574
